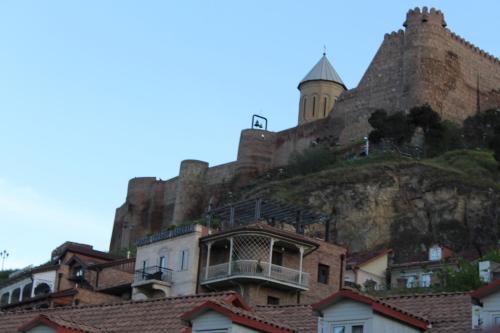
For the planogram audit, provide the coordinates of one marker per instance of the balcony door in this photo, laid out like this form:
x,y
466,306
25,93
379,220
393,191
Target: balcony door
x,y
163,263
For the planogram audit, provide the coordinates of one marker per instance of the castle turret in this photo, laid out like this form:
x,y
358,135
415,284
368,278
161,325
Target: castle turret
x,y
319,90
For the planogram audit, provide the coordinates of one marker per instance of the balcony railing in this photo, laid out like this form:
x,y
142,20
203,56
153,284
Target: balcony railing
x,y
153,273
252,268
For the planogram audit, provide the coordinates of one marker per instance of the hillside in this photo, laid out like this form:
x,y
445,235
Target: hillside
x,y
386,200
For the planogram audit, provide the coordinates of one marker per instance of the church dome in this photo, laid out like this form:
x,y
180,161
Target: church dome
x,y
324,71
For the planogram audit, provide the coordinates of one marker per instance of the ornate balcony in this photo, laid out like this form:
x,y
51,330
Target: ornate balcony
x,y
255,253
253,269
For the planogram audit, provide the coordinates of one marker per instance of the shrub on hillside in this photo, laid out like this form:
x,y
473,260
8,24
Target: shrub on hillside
x,y
311,160
479,129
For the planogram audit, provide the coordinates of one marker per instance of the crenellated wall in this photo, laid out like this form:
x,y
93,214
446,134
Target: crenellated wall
x,y
424,63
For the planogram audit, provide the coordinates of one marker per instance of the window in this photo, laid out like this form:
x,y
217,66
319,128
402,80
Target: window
x,y
184,260
435,253
323,273
314,106
411,281
273,300
425,280
304,103
357,329
162,263
324,106
16,295
347,327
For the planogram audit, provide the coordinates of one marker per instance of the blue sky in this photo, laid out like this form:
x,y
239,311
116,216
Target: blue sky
x,y
93,93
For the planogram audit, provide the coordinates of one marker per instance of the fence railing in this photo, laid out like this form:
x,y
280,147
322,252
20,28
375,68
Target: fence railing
x,y
153,273
257,269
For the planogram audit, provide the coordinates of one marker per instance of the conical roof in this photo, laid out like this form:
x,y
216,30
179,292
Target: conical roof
x,y
323,70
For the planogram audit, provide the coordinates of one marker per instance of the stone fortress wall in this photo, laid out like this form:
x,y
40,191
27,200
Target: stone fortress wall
x,y
425,63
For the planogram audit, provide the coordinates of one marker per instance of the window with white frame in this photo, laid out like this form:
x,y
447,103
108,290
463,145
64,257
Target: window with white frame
x,y
347,328
163,262
425,280
411,281
184,260
435,253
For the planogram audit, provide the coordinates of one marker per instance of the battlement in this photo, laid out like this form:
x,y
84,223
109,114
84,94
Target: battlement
x,y
474,48
394,35
416,17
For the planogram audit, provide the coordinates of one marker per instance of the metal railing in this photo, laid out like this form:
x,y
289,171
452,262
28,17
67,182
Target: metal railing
x,y
255,268
153,273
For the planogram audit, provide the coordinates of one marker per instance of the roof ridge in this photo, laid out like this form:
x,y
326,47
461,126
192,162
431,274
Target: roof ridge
x,y
444,293
87,306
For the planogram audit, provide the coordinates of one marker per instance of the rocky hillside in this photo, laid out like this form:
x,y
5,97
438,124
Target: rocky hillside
x,y
386,200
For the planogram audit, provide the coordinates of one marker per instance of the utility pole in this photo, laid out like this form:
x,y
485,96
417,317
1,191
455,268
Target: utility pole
x,y
4,254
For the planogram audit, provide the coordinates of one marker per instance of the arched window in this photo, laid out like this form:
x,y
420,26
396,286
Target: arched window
x,y
16,295
325,101
304,104
27,291
42,289
4,299
314,106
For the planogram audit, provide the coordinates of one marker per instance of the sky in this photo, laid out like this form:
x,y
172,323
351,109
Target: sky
x,y
93,93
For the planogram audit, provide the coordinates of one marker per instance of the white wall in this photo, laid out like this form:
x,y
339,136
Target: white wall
x,y
211,322
44,277
18,284
490,310
385,325
347,313
41,329
183,282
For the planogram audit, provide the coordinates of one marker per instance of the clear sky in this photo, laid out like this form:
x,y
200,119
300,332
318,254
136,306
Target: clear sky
x,y
93,93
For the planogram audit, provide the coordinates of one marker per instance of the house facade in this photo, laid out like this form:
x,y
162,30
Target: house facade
x,y
75,274
167,263
268,265
368,270
424,271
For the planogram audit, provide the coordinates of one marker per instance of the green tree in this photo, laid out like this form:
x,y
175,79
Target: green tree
x,y
394,127
494,145
480,128
464,279
311,160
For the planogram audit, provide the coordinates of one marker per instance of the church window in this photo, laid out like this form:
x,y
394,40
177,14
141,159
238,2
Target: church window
x,y
314,106
324,107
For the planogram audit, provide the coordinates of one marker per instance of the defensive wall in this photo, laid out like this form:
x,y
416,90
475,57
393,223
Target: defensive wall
x,y
424,63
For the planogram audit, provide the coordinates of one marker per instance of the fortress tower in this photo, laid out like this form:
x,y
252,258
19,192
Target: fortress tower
x,y
319,90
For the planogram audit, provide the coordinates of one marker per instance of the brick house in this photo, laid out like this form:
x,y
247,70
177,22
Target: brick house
x,y
268,265
75,274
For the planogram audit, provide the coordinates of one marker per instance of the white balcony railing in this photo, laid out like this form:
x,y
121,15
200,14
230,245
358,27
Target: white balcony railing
x,y
252,268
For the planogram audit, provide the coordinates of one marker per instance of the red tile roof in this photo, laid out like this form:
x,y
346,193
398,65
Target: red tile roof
x,y
61,325
486,290
360,258
151,316
301,317
240,316
447,312
378,306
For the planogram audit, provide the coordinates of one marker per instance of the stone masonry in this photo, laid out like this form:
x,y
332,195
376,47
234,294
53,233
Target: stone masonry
x,y
424,63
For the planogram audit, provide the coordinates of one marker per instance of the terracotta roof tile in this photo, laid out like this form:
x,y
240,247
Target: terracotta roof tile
x,y
447,312
252,317
300,317
359,258
378,305
151,316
